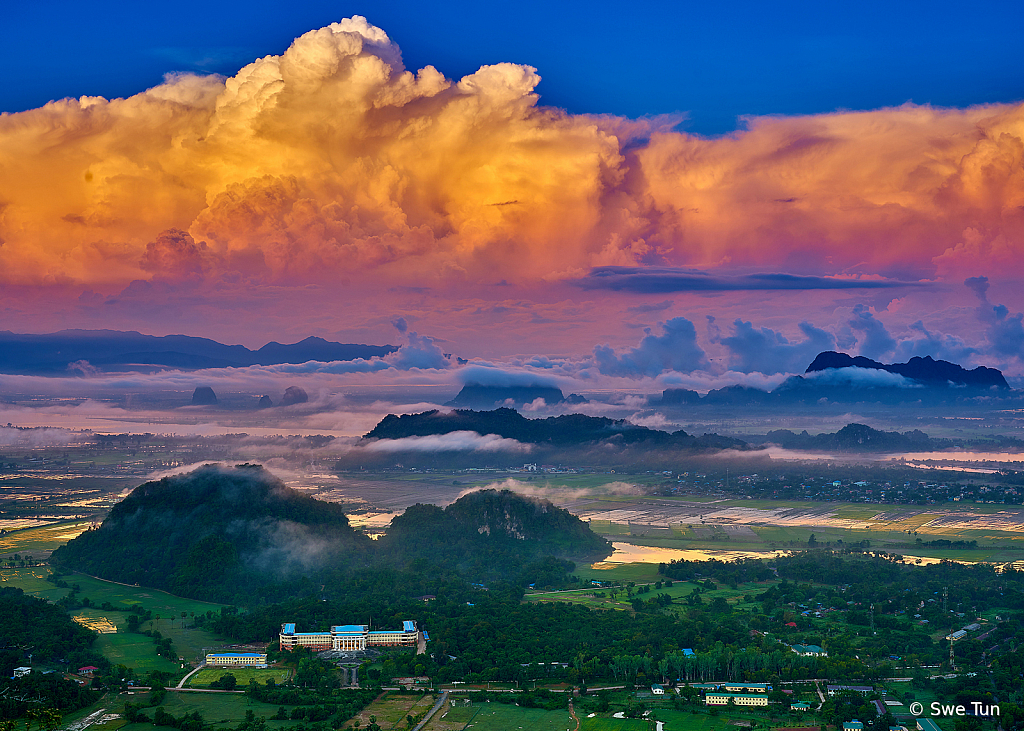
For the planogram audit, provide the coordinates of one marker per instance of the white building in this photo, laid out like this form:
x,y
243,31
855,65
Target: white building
x,y
348,637
21,672
237,659
717,698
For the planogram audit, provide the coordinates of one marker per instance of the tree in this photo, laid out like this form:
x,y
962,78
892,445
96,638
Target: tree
x,y
226,682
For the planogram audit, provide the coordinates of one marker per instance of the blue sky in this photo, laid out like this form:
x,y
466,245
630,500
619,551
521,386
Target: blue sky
x,y
712,61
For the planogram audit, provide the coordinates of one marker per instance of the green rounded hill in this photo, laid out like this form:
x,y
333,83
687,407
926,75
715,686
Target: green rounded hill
x,y
197,533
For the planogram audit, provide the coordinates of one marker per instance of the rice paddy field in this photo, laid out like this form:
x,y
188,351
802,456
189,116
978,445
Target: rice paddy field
x,y
40,542
726,529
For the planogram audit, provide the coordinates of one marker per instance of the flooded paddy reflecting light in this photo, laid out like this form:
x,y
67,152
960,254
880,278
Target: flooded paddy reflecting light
x,y
628,553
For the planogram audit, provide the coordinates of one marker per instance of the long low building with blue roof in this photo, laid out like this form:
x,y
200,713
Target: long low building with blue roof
x,y
348,637
244,659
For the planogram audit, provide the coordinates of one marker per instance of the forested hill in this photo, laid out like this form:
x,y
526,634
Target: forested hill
x,y
567,430
197,532
488,527
857,438
925,370
234,534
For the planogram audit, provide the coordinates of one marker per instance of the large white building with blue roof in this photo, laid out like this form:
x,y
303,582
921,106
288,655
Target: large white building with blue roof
x,y
348,637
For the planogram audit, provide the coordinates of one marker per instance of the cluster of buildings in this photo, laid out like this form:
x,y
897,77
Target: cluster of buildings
x,y
349,637
961,633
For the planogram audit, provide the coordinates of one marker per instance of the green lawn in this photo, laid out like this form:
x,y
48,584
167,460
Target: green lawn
x,y
701,721
32,581
220,710
204,677
99,591
135,651
607,723
636,572
677,591
502,717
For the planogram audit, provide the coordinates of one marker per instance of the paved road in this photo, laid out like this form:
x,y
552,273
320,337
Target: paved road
x,y
181,683
430,714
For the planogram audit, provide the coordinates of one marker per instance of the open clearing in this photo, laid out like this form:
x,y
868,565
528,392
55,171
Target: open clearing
x,y
499,717
219,710
607,723
204,677
392,709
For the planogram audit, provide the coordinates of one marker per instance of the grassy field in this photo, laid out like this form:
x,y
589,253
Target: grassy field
x,y
204,677
677,591
135,651
607,723
391,710
501,717
219,710
99,591
498,717
636,572
685,721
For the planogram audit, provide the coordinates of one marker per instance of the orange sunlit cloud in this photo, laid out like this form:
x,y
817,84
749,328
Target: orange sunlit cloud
x,y
330,190
333,160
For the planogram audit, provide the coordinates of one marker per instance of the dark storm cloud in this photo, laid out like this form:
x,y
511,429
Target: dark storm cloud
x,y
1005,332
676,349
764,350
653,280
650,307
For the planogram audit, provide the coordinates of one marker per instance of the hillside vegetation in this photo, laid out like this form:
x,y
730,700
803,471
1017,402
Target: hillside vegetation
x,y
222,533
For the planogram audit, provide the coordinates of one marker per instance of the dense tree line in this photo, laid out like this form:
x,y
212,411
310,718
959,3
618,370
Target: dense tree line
x,y
34,626
20,697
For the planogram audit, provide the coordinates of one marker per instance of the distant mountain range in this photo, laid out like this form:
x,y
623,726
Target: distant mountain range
x,y
562,434
567,430
475,396
114,351
842,378
926,370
